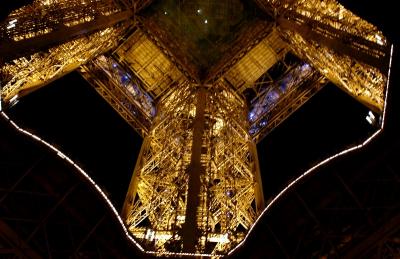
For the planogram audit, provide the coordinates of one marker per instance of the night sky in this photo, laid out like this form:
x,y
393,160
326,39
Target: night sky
x,y
70,114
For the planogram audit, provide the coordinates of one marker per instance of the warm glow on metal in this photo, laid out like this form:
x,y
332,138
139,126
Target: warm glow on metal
x,y
269,205
264,212
29,73
52,13
196,189
221,187
365,83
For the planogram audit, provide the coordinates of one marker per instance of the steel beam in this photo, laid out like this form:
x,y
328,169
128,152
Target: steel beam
x,y
341,42
117,97
14,49
375,238
21,248
196,187
51,211
288,105
243,45
89,234
278,242
195,170
27,172
169,49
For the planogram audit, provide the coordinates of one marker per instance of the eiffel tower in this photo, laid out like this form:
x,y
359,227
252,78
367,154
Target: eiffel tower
x,y
202,82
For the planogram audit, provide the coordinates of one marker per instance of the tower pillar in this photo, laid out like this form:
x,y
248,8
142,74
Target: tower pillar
x,y
196,187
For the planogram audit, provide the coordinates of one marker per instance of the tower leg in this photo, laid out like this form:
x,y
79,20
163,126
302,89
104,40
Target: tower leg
x,y
196,186
195,170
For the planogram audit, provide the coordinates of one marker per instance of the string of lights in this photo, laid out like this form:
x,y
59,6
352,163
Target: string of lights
x,y
181,76
290,186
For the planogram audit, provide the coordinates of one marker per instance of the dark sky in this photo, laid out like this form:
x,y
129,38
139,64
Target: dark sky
x,y
70,114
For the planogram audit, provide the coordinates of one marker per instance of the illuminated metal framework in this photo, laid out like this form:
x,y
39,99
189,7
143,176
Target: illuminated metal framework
x,y
197,176
196,188
122,91
26,74
47,23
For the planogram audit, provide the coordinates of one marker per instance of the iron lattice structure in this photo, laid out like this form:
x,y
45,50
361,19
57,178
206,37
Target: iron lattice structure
x,y
196,187
197,181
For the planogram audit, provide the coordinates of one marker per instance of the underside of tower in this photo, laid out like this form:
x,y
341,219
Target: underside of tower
x,y
196,187
202,82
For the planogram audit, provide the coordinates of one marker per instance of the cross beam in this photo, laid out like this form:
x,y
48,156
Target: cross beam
x,y
341,42
390,227
21,248
14,49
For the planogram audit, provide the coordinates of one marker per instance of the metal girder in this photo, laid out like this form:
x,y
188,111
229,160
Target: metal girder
x,y
323,234
27,74
138,5
385,230
14,49
134,106
256,62
12,189
170,50
196,186
275,105
156,71
365,83
123,107
348,50
89,234
71,210
62,35
328,12
342,42
19,247
288,106
51,211
44,16
373,239
278,242
244,44
195,170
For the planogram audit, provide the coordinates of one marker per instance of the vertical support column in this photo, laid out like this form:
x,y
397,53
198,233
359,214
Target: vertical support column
x,y
133,186
195,170
196,186
259,194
